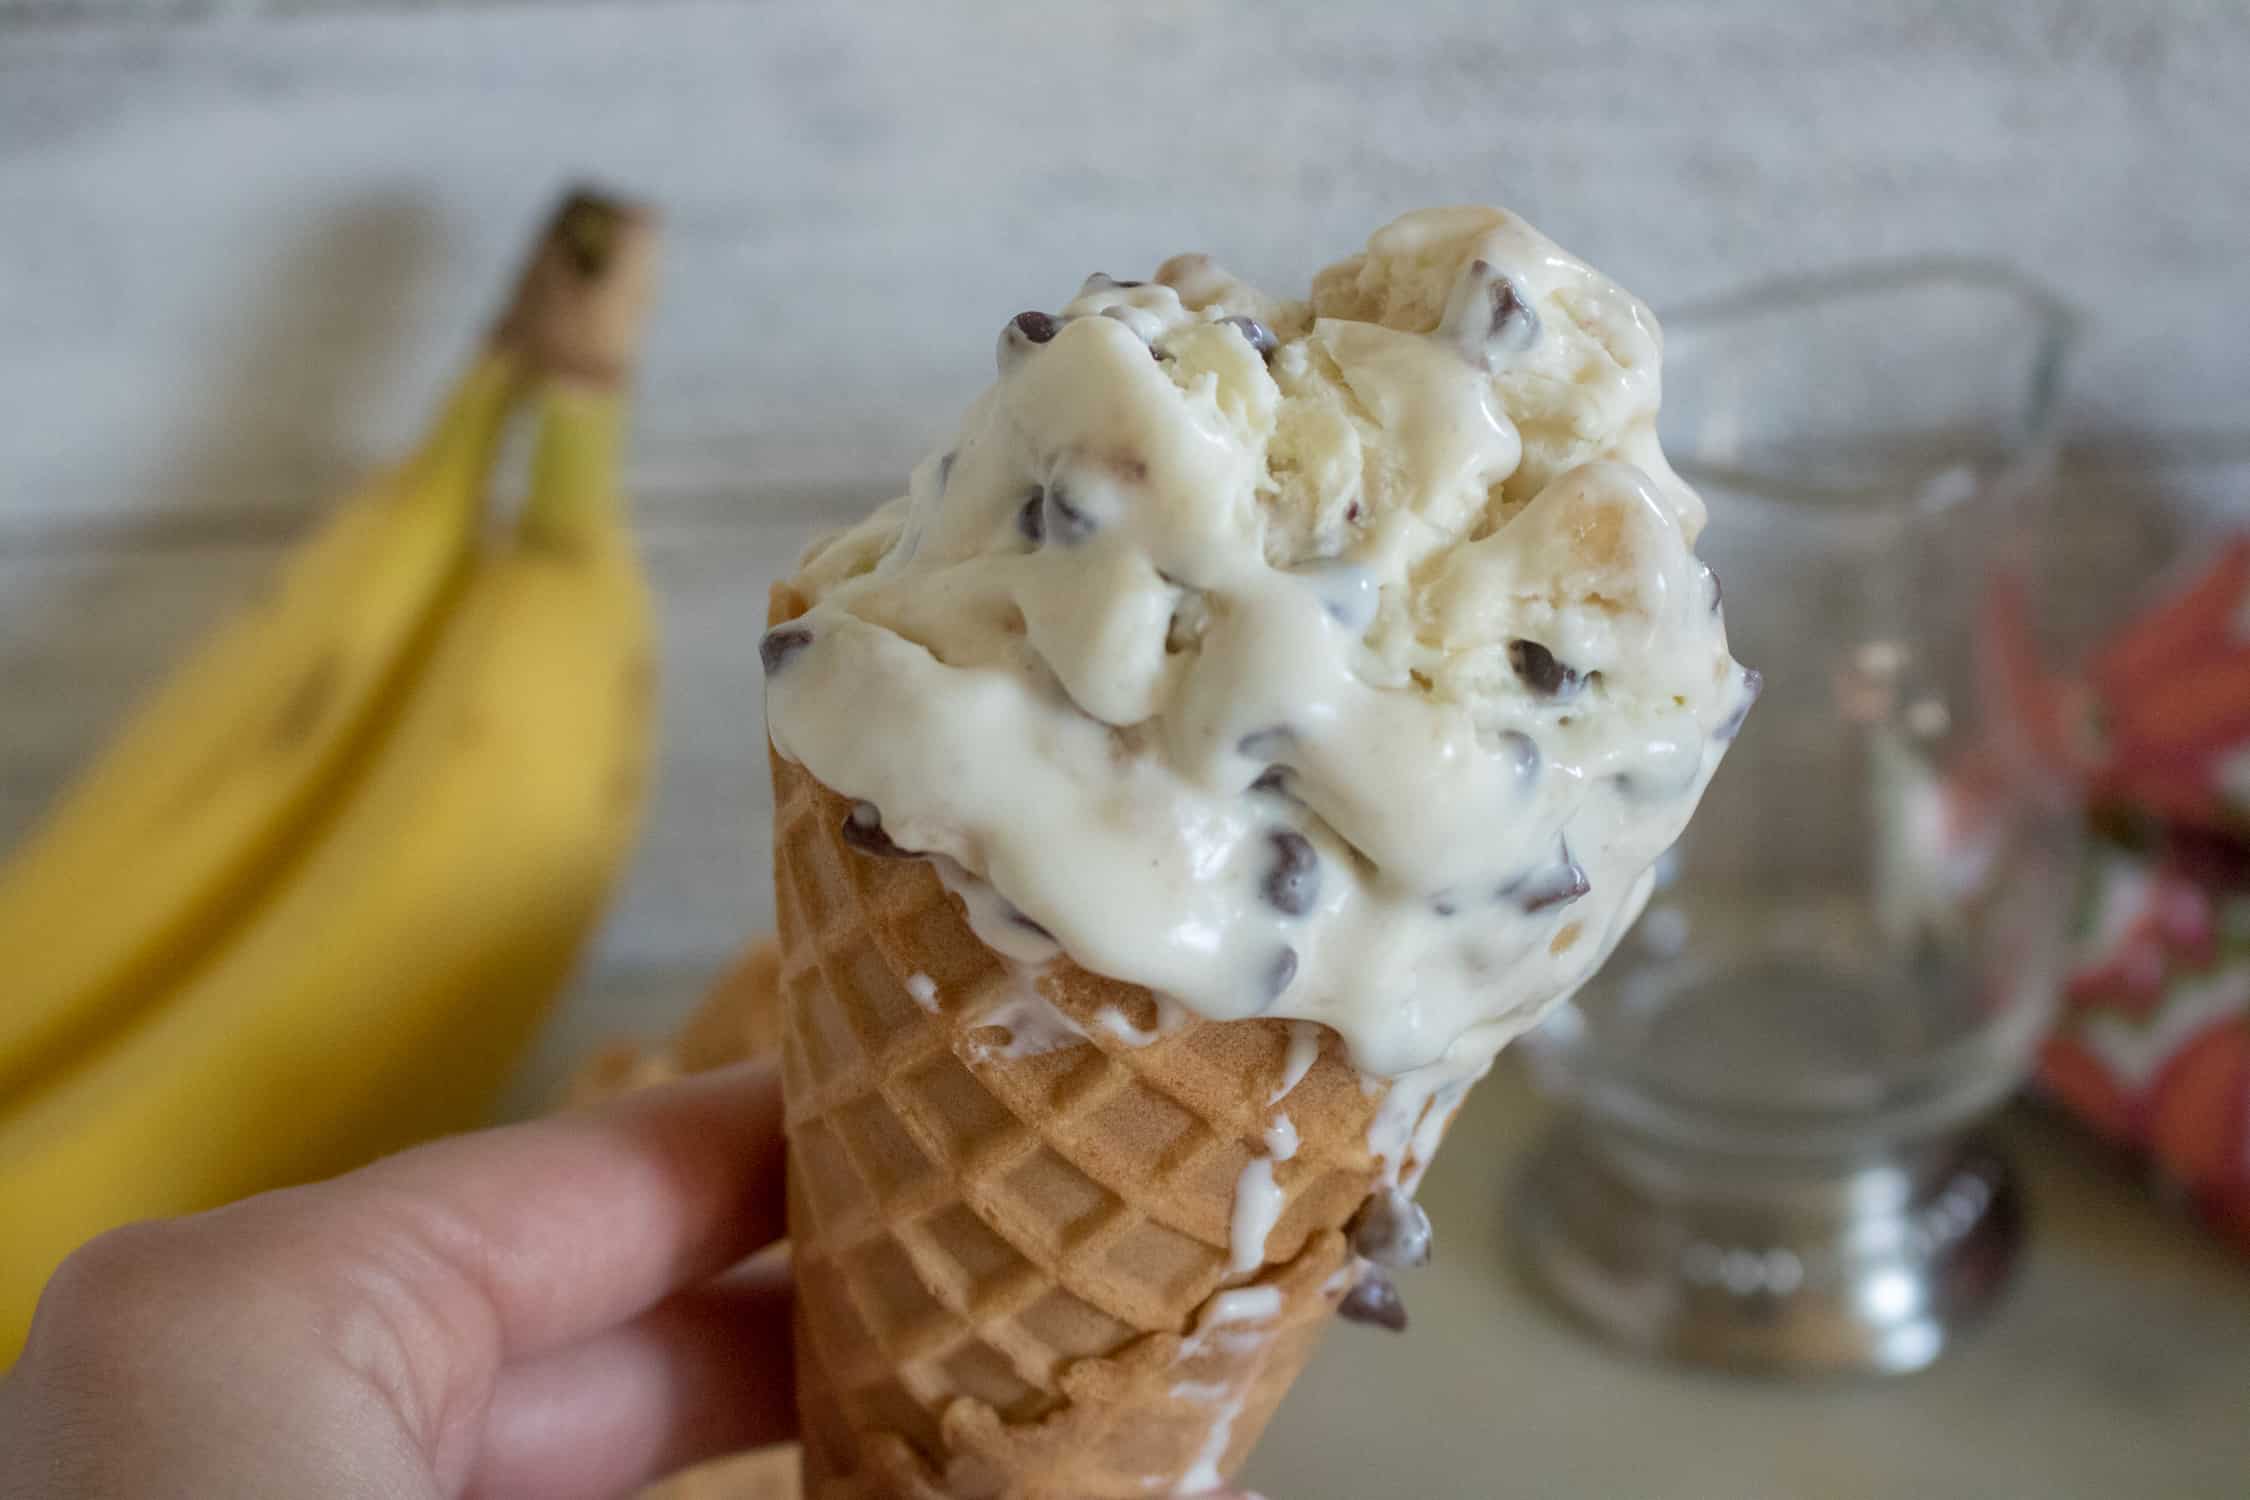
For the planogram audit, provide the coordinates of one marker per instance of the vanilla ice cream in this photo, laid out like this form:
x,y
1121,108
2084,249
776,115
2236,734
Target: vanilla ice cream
x,y
1344,660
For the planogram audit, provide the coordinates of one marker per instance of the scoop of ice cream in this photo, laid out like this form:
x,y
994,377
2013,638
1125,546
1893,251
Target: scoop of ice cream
x,y
1345,660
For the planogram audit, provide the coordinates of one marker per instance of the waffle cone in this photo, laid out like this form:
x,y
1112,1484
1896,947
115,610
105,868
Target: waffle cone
x,y
1007,1261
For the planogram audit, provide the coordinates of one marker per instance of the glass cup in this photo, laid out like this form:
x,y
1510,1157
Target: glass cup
x,y
1765,1156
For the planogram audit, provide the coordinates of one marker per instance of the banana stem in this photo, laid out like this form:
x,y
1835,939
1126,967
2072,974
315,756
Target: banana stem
x,y
575,315
577,322
584,293
575,499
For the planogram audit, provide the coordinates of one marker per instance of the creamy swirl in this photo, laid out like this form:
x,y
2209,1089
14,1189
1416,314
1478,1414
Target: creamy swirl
x,y
1345,660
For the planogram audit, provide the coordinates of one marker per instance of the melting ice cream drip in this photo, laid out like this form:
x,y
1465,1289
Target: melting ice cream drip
x,y
1236,1308
1304,1051
1411,1120
1231,1323
1033,1022
1203,1475
998,924
922,990
1112,1019
1258,1199
1258,1203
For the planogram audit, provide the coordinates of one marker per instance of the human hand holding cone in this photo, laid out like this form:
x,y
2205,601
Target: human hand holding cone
x,y
1262,714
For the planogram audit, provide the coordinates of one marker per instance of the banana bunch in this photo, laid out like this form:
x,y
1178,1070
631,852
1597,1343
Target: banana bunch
x,y
314,901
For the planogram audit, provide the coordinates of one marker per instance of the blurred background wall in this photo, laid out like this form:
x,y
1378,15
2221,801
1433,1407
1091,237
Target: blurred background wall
x,y
240,242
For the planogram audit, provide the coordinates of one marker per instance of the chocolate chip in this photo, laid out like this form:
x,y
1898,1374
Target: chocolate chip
x,y
1540,672
1063,520
1374,1300
1260,336
1031,519
1292,883
863,830
1273,779
1753,683
1280,974
1024,332
1486,318
781,643
1556,885
1102,279
1513,320
1391,1229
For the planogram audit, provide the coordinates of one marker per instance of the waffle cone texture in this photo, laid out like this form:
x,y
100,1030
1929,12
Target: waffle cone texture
x,y
1014,1264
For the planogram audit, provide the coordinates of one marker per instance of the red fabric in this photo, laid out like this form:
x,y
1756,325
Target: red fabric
x,y
2153,1048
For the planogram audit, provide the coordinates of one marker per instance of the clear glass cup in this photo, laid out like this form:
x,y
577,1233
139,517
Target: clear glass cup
x,y
1764,1157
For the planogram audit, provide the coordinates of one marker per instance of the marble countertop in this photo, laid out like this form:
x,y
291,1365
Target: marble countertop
x,y
2118,1365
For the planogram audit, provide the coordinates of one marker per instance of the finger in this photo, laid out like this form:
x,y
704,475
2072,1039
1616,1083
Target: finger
x,y
422,1276
568,1225
707,1372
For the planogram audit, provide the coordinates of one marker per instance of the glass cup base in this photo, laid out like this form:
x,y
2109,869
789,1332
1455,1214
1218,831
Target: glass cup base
x,y
1866,1265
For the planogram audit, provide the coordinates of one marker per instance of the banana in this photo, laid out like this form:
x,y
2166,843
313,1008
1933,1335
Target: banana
x,y
386,984
170,833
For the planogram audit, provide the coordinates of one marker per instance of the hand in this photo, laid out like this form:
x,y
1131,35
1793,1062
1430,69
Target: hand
x,y
526,1312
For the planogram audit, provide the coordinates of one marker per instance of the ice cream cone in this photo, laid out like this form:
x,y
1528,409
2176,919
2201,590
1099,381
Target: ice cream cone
x,y
1337,669
1014,1200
